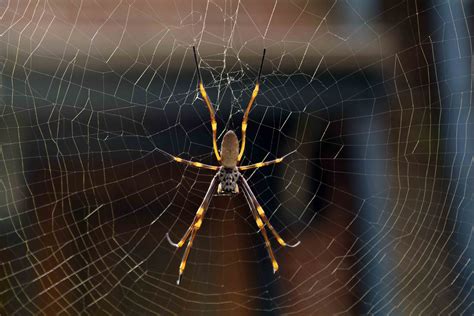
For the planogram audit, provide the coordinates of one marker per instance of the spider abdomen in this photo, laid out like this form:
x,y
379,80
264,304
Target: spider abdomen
x,y
228,178
229,150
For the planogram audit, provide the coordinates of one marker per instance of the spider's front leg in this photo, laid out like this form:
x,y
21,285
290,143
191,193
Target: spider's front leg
x,y
259,215
193,228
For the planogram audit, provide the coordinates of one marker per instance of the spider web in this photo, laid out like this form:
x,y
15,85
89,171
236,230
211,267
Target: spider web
x,y
372,99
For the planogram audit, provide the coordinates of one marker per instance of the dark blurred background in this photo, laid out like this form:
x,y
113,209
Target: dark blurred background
x,y
373,96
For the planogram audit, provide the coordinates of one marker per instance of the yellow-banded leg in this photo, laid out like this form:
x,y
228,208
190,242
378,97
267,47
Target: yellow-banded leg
x,y
187,162
195,164
194,227
247,111
203,92
262,214
260,164
261,228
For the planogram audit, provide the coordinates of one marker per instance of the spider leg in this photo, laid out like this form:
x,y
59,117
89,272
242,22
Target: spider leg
x,y
262,214
187,162
194,227
262,229
265,163
203,92
195,164
182,266
261,164
249,106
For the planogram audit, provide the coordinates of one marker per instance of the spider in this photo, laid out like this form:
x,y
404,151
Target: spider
x,y
228,177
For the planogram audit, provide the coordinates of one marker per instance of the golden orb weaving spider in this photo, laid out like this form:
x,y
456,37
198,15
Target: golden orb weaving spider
x,y
228,177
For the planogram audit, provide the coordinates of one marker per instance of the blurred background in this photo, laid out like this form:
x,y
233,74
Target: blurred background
x,y
374,98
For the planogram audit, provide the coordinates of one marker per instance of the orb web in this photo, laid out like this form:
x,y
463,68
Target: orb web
x,y
362,94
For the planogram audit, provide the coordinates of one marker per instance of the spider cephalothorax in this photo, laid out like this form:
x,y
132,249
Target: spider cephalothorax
x,y
228,180
228,177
